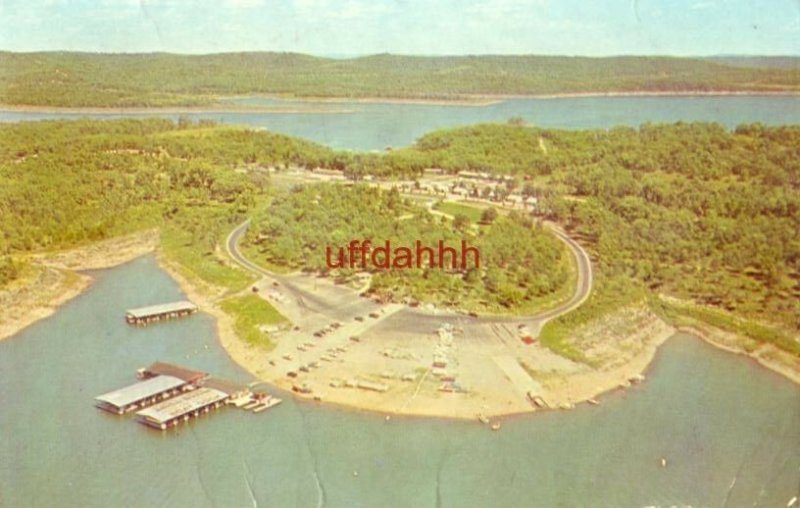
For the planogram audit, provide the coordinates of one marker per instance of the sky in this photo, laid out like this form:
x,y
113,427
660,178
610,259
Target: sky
x,y
442,27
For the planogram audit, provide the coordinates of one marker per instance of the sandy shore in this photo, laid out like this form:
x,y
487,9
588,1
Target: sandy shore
x,y
476,100
644,93
206,298
211,108
457,100
766,355
495,367
52,279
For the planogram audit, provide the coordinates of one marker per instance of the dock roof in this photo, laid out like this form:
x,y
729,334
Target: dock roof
x,y
141,390
224,385
169,369
181,405
164,308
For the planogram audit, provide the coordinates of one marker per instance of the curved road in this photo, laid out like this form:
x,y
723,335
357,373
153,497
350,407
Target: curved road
x,y
307,298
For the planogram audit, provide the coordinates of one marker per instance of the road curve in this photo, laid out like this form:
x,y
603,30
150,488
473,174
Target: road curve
x,y
583,288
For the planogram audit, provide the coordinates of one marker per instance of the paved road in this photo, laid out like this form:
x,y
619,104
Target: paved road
x,y
321,305
309,300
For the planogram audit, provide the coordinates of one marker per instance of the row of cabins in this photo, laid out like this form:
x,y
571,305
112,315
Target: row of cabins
x,y
459,191
168,395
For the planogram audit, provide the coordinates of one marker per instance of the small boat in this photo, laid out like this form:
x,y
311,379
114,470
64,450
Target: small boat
x,y
496,426
593,402
483,419
537,401
271,402
242,401
266,404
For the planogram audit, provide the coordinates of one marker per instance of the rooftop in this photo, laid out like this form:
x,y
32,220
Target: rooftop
x,y
224,385
179,406
142,390
169,369
164,308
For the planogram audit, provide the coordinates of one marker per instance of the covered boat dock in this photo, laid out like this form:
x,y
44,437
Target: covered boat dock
x,y
170,369
154,313
180,409
142,394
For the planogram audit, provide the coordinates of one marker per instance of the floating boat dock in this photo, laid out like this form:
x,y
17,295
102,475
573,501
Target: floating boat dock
x,y
142,394
170,394
180,409
154,313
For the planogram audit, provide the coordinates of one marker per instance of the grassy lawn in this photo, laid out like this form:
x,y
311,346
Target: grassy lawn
x,y
249,312
473,213
179,246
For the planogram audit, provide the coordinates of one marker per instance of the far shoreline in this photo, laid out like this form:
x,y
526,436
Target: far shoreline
x,y
223,104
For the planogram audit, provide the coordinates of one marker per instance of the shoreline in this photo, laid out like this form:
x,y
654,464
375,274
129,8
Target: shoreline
x,y
726,341
473,100
59,278
174,110
567,392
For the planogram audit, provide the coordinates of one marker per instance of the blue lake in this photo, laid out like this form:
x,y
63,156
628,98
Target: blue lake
x,y
371,126
729,429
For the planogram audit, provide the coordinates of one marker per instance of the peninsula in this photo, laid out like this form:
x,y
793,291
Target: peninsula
x,y
581,275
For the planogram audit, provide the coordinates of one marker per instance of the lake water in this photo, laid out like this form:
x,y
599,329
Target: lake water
x,y
367,126
729,429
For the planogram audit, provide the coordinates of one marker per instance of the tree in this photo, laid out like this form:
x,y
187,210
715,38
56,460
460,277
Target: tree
x,y
461,222
489,215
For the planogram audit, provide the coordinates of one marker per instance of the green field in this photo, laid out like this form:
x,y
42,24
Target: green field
x,y
473,213
249,313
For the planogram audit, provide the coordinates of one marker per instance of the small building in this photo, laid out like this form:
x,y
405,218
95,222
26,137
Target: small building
x,y
155,313
168,369
180,409
142,394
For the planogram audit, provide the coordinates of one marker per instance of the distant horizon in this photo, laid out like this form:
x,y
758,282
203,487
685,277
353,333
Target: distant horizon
x,y
336,56
601,28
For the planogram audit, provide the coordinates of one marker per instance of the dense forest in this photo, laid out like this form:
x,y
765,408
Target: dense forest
x,y
520,263
69,183
160,79
692,211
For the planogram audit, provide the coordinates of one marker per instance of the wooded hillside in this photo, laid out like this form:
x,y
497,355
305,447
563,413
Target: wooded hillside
x,y
160,79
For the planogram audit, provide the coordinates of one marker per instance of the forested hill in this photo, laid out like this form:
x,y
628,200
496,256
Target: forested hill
x,y
159,79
